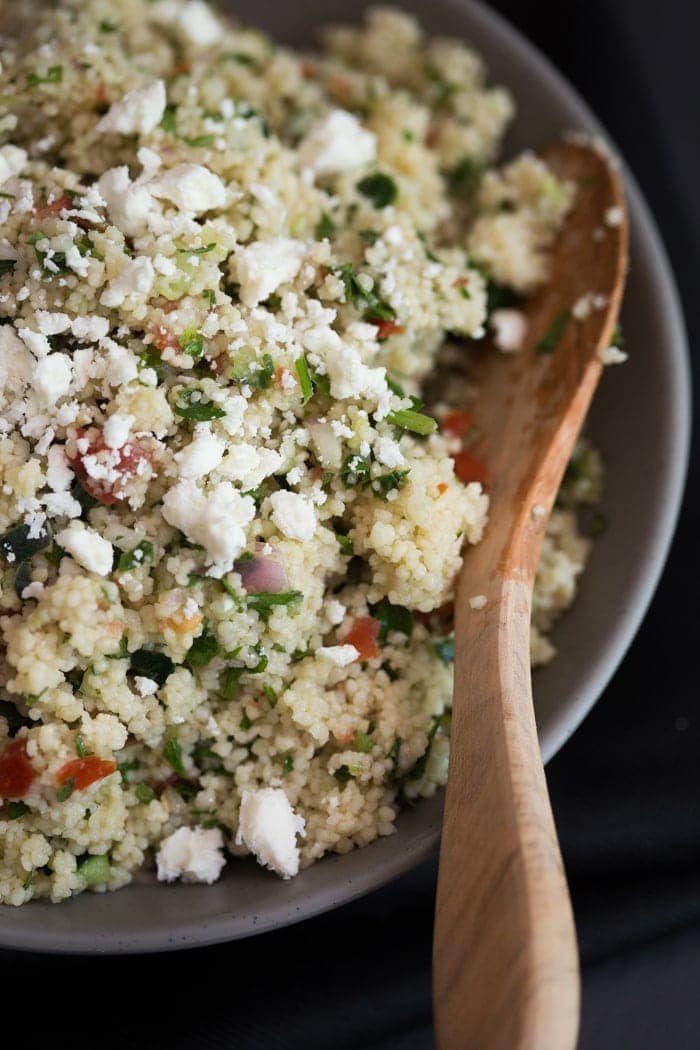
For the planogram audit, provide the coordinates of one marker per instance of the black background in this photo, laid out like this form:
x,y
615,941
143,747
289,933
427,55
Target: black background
x,y
625,789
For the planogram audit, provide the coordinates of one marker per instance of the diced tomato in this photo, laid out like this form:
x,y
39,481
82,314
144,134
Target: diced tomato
x,y
469,468
456,423
85,771
442,488
387,328
16,771
100,92
363,635
124,463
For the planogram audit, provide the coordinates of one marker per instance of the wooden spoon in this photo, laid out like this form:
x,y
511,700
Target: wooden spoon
x,y
505,957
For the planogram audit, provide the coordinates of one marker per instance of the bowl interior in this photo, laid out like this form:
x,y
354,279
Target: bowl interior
x,y
640,422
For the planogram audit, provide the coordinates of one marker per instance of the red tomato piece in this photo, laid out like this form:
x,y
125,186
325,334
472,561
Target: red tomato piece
x,y
16,771
456,423
363,635
124,463
62,203
469,468
85,771
387,328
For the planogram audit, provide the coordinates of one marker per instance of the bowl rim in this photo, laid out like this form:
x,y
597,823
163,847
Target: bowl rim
x,y
40,937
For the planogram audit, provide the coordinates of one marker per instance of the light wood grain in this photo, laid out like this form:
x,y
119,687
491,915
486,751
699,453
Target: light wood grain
x,y
505,955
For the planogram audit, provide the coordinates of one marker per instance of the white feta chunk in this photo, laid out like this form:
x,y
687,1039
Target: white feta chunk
x,y
137,113
268,827
129,204
52,378
191,854
117,429
199,24
145,686
340,655
337,143
215,519
12,162
59,476
293,514
202,455
261,267
190,187
388,453
87,547
135,279
52,324
509,328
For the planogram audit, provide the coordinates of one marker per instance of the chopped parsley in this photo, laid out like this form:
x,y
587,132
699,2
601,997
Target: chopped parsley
x,y
392,618
346,545
172,753
464,178
144,793
95,870
363,742
190,406
264,603
66,790
287,765
142,554
203,649
53,75
553,336
198,251
15,810
147,663
81,749
192,343
379,188
325,227
307,386
199,140
416,422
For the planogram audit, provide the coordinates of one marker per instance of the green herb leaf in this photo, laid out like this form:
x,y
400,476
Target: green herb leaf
x,y
189,406
168,120
144,793
392,618
325,227
463,180
369,236
95,870
192,343
17,545
387,483
66,790
287,765
552,337
354,471
172,753
203,649
245,723
307,387
362,742
141,554
265,603
199,140
418,770
81,749
147,663
108,27
54,75
379,188
346,545
15,810
416,422
198,251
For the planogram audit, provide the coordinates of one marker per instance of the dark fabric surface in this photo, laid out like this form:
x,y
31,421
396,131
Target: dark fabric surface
x,y
625,789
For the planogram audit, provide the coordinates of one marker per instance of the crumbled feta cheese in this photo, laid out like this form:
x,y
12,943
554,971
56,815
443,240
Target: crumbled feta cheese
x,y
261,267
12,161
202,455
335,612
340,655
129,204
215,519
116,430
136,278
59,476
612,355
61,504
164,265
33,590
295,475
293,514
268,827
337,143
614,216
199,24
88,548
52,378
509,328
139,112
90,329
145,686
192,854
122,365
388,453
52,324
35,341
478,601
190,187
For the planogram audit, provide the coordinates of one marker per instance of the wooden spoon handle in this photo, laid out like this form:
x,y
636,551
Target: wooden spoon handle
x,y
505,961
